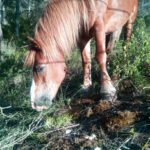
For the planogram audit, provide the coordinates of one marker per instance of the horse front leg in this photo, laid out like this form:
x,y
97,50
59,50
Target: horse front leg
x,y
86,63
108,91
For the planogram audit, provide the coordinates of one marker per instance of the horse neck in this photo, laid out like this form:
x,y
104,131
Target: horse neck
x,y
61,25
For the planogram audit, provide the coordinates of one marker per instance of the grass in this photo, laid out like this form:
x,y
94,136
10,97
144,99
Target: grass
x,y
19,125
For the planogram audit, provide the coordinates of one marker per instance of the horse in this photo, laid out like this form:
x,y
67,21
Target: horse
x,y
66,24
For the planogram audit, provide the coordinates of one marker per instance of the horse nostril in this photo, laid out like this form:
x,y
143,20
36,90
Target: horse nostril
x,y
33,105
47,102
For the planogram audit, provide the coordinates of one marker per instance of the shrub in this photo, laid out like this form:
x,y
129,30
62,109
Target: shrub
x,y
14,79
133,60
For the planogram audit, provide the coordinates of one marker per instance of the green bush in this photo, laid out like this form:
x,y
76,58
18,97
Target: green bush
x,y
14,79
132,61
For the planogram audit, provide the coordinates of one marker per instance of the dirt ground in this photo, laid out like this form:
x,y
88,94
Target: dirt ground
x,y
101,125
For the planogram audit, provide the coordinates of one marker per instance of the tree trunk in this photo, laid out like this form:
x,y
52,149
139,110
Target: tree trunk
x,y
1,32
29,8
17,16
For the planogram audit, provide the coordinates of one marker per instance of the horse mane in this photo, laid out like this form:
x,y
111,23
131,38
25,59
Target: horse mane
x,y
59,27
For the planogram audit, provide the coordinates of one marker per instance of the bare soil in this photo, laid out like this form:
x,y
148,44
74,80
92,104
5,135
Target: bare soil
x,y
124,124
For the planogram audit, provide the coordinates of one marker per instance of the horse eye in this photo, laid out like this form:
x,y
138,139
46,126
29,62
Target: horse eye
x,y
39,68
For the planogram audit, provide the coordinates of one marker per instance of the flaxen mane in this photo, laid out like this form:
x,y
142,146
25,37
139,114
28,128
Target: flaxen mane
x,y
59,27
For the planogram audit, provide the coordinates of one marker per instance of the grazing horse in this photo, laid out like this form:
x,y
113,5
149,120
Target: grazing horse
x,y
66,24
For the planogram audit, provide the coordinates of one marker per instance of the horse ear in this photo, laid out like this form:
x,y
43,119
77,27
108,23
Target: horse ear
x,y
30,58
34,44
33,48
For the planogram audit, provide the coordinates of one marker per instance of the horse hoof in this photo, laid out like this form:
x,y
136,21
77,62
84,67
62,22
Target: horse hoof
x,y
86,88
109,97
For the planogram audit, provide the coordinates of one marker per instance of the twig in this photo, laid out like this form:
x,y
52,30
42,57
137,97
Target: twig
x,y
2,109
123,145
137,90
63,128
71,126
24,46
76,93
34,126
147,87
146,144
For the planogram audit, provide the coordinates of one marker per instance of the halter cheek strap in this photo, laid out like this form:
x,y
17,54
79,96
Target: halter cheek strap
x,y
55,62
51,62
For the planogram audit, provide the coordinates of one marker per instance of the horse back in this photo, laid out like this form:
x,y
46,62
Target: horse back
x,y
116,13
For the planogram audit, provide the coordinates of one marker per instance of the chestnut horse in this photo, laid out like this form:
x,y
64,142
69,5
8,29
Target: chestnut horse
x,y
66,24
